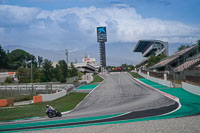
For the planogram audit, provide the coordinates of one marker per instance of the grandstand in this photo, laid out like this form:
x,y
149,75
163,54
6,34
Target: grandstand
x,y
190,63
175,61
149,47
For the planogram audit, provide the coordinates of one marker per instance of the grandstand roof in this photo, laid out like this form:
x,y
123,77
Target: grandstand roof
x,y
142,44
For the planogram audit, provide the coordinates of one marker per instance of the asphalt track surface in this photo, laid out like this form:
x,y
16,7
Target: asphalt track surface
x,y
119,93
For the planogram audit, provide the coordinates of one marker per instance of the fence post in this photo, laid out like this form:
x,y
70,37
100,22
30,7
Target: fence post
x,y
139,71
11,92
147,74
165,76
51,88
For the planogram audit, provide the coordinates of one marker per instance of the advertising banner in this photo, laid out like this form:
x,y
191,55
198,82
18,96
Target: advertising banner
x,y
101,34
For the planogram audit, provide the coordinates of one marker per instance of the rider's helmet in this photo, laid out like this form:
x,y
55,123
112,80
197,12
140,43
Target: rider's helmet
x,y
47,106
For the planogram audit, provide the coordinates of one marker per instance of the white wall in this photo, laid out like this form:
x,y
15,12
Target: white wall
x,y
53,96
88,77
157,80
191,88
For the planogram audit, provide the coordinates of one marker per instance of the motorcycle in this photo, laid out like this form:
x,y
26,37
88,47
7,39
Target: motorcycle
x,y
53,113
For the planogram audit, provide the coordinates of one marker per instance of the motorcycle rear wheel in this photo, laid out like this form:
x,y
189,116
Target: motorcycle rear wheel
x,y
50,115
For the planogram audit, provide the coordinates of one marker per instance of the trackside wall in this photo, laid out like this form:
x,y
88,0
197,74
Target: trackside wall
x,y
191,88
157,80
53,96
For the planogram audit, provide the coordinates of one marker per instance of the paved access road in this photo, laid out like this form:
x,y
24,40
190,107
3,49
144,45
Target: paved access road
x,y
119,93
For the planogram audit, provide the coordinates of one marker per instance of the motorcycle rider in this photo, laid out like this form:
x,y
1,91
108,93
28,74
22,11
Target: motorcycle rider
x,y
48,107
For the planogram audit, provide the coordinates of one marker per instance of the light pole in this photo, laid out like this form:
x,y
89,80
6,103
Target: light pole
x,y
67,54
31,73
32,77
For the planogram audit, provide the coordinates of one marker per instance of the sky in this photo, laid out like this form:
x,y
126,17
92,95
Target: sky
x,y
71,24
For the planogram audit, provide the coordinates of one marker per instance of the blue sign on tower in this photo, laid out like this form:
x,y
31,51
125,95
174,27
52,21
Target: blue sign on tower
x,y
101,34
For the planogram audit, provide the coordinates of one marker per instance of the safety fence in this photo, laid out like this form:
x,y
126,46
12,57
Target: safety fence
x,y
144,71
189,76
23,90
156,75
72,79
195,80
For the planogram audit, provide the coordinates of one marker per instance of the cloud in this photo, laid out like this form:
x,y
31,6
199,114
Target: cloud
x,y
76,27
124,24
12,16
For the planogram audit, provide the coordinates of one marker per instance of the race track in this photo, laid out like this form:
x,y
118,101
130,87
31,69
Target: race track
x,y
118,94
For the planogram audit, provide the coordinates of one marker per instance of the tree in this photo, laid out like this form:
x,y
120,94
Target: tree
x,y
24,75
64,68
37,75
58,74
155,59
61,71
73,71
3,58
9,80
40,60
183,47
18,58
47,71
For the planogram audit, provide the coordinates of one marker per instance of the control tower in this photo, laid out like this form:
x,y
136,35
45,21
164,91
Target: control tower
x,y
102,38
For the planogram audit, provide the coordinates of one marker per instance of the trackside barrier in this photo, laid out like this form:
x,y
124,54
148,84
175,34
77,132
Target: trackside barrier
x,y
6,102
53,96
37,99
3,102
157,80
191,88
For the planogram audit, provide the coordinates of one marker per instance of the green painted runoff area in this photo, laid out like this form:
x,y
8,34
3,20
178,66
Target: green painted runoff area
x,y
57,121
190,105
87,87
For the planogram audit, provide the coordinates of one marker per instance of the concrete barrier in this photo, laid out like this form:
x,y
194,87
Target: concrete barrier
x,y
6,102
37,99
88,77
53,96
3,102
157,80
191,88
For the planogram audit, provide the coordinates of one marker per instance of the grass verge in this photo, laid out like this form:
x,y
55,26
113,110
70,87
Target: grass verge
x,y
135,75
65,103
97,79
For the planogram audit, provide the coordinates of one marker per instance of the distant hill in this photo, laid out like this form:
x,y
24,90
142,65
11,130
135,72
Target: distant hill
x,y
53,55
117,53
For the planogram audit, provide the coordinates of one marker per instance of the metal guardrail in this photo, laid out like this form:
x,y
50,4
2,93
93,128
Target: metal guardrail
x,y
29,89
157,75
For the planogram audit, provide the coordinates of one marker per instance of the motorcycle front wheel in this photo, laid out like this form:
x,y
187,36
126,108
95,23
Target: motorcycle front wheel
x,y
59,114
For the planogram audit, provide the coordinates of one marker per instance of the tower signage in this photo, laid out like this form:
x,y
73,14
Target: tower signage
x,y
101,34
